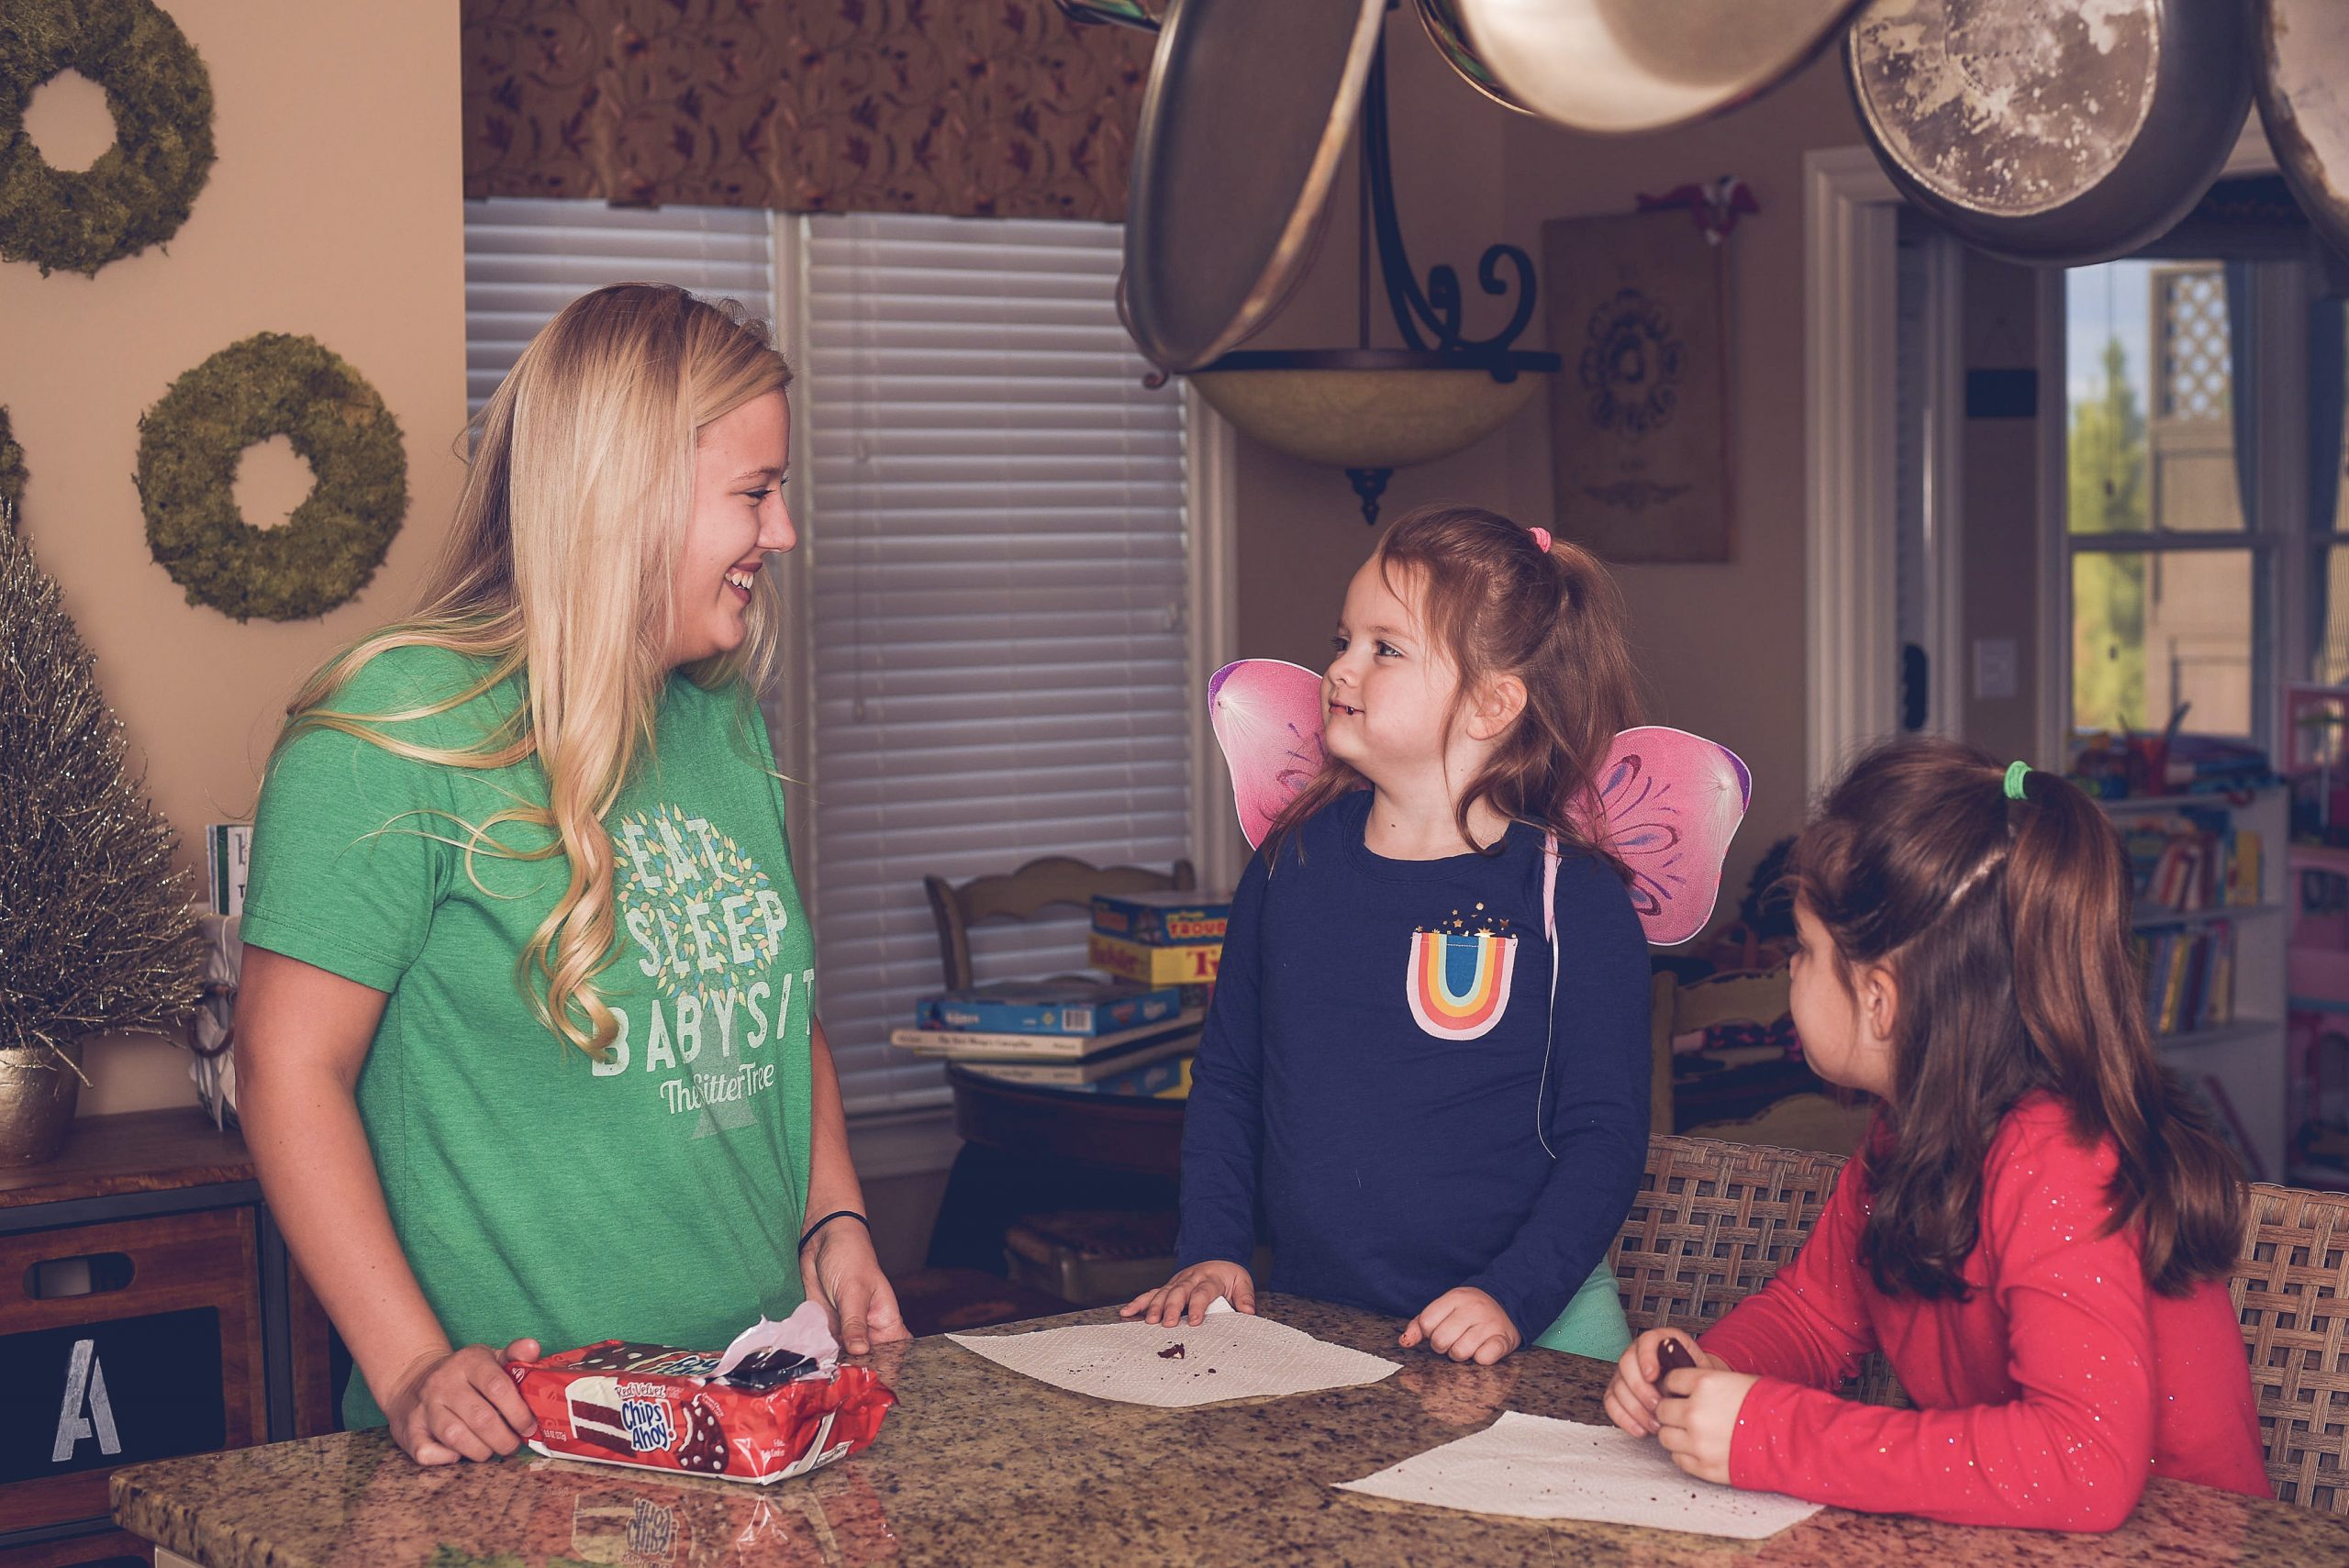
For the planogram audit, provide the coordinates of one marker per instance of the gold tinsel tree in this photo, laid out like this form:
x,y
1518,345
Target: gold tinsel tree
x,y
95,930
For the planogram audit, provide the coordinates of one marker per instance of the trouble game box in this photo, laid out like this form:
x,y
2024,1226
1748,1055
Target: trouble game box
x,y
1165,918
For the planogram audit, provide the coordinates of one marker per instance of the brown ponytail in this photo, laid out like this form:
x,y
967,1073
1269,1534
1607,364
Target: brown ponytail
x,y
2007,923
1503,600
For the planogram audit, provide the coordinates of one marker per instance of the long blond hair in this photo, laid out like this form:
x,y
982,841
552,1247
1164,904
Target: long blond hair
x,y
558,566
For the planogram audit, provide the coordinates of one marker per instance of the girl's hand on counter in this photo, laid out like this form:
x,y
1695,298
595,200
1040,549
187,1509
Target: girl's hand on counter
x,y
1698,1418
453,1405
1632,1396
1186,1297
841,1270
1462,1323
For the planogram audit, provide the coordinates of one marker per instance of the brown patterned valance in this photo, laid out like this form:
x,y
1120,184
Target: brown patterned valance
x,y
966,108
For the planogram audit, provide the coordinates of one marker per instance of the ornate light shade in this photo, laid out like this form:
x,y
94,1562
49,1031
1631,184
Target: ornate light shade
x,y
1363,408
1367,410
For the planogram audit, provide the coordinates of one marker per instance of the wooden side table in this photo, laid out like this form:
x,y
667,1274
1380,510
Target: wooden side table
x,y
1090,1124
1111,1149
147,1309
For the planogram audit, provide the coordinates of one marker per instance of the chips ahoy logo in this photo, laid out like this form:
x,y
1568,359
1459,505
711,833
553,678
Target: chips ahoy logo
x,y
649,1427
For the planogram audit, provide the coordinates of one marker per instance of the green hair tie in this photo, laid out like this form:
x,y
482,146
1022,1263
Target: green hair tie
x,y
2015,772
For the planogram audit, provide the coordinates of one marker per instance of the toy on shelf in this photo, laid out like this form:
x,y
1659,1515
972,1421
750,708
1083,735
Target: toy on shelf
x,y
2315,717
2129,764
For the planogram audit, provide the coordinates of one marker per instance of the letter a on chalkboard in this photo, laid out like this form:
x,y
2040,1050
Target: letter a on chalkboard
x,y
84,1379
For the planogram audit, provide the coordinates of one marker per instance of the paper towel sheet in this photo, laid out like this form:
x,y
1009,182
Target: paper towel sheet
x,y
1536,1468
1230,1356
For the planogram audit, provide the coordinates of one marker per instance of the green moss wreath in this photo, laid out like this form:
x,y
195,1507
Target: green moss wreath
x,y
138,193
272,384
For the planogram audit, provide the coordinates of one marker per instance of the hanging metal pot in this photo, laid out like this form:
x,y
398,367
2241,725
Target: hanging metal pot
x,y
2300,73
1248,112
1441,20
1143,16
1621,67
2055,132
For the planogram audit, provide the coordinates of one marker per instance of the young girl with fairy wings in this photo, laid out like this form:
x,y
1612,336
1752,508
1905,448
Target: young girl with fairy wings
x,y
1428,1058
2039,1231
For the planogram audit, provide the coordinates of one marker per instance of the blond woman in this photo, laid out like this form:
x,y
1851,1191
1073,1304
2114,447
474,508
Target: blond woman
x,y
526,1043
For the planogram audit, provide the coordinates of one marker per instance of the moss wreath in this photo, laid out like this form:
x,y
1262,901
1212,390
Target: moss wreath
x,y
189,445
139,192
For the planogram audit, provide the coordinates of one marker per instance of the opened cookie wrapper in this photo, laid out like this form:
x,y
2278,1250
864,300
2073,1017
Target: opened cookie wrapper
x,y
775,1403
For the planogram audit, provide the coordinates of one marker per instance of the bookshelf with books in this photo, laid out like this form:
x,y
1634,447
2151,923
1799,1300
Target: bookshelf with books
x,y
2208,928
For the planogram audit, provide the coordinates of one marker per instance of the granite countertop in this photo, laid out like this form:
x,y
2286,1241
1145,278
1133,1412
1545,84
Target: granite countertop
x,y
978,1464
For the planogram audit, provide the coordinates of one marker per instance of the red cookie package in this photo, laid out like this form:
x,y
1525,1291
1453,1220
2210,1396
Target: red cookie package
x,y
755,1413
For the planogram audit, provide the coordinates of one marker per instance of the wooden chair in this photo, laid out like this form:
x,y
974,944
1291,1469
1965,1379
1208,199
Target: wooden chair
x,y
2291,1297
1711,1223
1086,1256
1714,1220
1806,1120
1024,894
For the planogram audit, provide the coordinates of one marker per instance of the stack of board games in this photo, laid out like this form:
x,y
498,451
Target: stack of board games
x,y
1160,939
1053,1031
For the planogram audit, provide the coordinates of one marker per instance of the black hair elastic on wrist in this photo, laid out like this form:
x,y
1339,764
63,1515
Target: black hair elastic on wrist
x,y
810,1234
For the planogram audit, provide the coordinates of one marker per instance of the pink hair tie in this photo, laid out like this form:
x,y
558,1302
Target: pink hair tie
x,y
1541,539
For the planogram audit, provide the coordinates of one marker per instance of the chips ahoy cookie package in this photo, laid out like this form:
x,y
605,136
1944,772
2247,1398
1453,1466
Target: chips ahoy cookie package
x,y
775,1403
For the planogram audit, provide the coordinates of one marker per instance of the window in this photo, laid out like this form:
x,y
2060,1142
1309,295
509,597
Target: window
x,y
994,656
2168,585
998,574
526,260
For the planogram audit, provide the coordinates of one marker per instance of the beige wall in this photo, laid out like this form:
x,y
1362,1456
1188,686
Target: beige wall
x,y
332,211
1721,646
2001,501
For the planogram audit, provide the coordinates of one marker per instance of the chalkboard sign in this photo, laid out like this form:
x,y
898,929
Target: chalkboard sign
x,y
97,1394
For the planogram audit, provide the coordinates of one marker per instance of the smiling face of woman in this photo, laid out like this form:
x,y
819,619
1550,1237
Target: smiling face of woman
x,y
740,460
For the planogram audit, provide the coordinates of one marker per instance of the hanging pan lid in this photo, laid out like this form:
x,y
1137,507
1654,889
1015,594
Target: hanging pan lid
x,y
1627,66
2053,131
2299,60
1247,115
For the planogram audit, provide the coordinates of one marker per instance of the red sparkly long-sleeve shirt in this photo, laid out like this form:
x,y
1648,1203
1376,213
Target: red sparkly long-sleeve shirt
x,y
2045,1398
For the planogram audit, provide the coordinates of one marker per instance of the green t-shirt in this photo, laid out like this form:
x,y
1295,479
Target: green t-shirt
x,y
656,1197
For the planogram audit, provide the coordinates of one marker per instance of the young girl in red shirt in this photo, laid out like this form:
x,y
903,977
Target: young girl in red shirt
x,y
2039,1231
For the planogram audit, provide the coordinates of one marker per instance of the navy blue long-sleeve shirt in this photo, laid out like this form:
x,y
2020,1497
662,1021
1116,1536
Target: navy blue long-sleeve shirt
x,y
1371,1066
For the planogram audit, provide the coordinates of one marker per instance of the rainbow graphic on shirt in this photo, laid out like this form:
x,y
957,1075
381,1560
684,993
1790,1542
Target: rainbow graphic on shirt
x,y
1458,981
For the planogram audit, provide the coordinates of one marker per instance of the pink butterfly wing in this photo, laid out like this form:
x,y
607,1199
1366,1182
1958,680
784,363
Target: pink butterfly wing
x,y
1673,802
1267,719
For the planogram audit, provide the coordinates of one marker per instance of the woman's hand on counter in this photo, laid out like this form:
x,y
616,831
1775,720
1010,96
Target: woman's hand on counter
x,y
453,1405
1186,1297
841,1270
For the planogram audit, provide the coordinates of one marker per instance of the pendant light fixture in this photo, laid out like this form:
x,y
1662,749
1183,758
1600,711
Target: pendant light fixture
x,y
1247,113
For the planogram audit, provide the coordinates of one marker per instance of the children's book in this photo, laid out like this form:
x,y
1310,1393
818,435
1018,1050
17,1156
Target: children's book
x,y
957,1044
1047,1006
1152,1063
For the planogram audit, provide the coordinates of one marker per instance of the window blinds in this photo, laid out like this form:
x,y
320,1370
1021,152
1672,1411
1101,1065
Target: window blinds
x,y
527,258
994,509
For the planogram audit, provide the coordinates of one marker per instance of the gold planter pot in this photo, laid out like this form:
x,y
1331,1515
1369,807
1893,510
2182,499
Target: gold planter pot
x,y
37,1091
